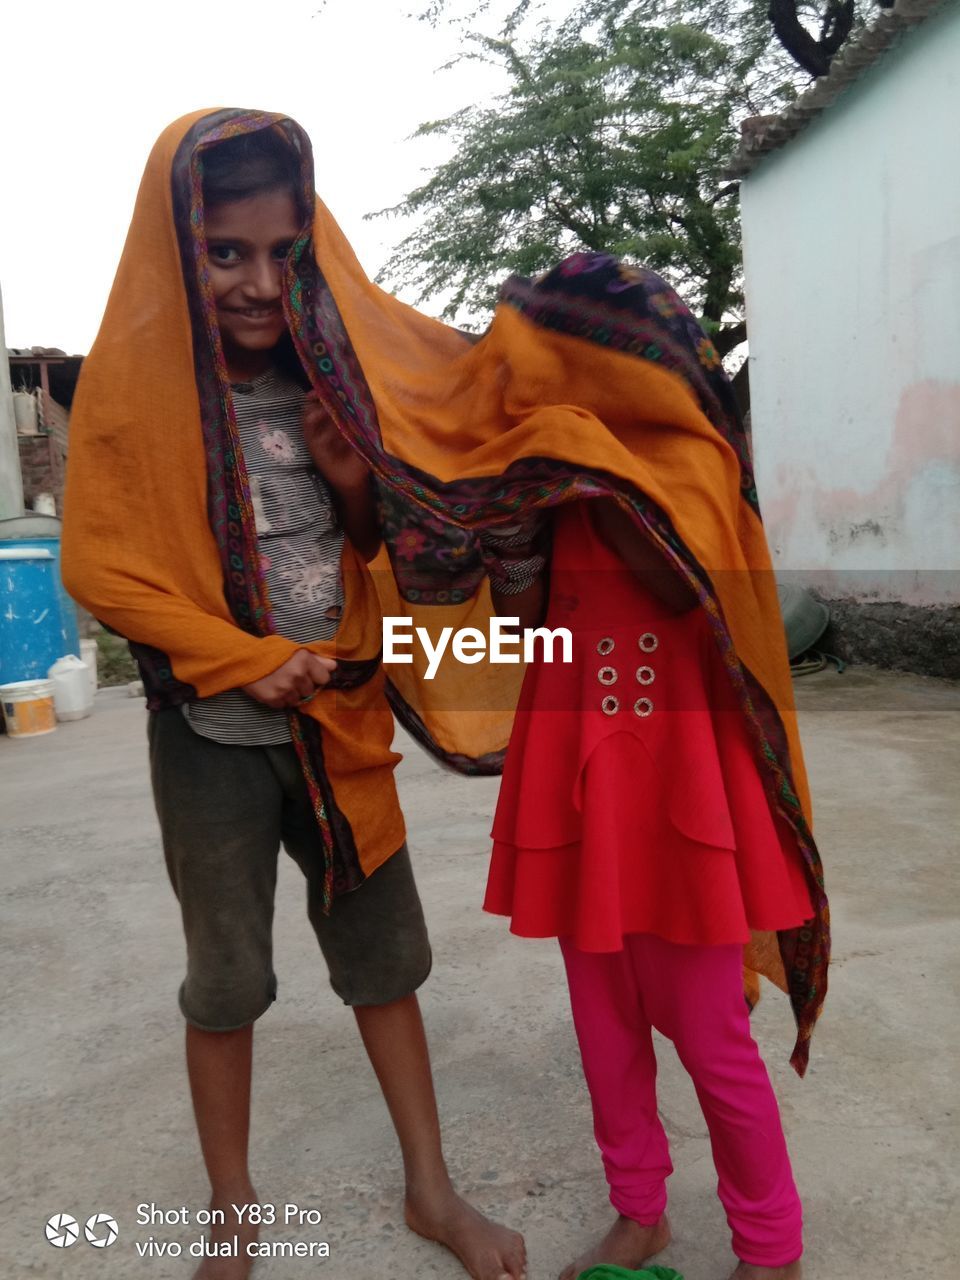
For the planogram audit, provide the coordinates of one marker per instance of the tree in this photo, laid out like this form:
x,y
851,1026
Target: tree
x,y
813,54
612,136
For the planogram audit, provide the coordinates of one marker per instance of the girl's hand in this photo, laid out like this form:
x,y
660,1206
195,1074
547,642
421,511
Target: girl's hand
x,y
340,465
294,683
348,476
515,558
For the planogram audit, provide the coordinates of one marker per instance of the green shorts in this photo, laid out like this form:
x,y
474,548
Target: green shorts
x,y
224,813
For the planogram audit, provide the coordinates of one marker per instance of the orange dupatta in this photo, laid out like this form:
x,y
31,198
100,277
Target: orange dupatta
x,y
593,381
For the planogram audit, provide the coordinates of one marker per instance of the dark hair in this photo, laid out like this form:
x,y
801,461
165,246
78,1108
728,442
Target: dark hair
x,y
247,165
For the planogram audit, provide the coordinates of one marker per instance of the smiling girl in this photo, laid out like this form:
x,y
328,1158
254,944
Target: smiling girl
x,y
216,518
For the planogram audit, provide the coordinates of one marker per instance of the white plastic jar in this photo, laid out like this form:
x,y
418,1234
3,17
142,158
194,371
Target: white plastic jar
x,y
72,698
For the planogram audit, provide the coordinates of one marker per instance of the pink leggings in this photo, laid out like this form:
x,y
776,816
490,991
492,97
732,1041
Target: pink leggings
x,y
694,996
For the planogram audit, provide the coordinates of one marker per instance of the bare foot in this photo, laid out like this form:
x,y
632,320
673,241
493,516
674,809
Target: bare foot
x,y
487,1250
747,1271
627,1244
232,1235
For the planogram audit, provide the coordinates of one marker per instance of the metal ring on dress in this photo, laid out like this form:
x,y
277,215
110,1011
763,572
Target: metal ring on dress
x,y
648,642
610,705
605,646
607,675
645,675
643,707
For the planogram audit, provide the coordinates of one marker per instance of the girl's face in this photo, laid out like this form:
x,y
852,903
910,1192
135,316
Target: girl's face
x,y
247,242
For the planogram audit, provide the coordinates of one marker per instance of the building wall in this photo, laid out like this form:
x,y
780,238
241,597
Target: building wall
x,y
852,259
42,468
42,441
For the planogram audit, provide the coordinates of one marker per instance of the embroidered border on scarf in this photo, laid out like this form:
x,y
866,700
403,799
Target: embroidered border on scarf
x,y
231,511
431,528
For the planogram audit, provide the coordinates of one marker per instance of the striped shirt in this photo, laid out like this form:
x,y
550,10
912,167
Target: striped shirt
x,y
300,544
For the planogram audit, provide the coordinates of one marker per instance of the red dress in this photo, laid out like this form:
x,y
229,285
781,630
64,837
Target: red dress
x,y
631,800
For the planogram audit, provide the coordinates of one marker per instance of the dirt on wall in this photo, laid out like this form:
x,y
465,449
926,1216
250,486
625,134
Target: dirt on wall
x,y
900,637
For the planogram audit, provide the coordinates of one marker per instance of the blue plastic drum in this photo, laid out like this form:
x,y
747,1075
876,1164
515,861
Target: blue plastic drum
x,y
38,620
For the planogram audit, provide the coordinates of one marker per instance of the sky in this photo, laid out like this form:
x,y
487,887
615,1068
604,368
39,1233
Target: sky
x,y
87,87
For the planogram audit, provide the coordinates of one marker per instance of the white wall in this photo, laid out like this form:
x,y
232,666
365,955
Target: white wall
x,y
852,260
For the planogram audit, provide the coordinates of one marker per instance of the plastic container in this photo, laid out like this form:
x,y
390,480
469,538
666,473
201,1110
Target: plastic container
x,y
45,504
25,413
38,620
90,653
28,708
31,636
72,699
804,618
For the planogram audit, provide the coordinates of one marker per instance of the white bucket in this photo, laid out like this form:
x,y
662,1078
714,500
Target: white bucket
x,y
28,708
45,504
89,653
71,688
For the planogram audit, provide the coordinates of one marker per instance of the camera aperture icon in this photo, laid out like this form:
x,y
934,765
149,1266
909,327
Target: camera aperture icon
x,y
101,1230
62,1231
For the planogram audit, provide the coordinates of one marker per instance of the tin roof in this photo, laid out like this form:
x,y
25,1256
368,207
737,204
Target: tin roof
x,y
763,134
62,371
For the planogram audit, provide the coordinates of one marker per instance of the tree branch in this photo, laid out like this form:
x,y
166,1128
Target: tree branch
x,y
567,218
730,336
731,189
812,55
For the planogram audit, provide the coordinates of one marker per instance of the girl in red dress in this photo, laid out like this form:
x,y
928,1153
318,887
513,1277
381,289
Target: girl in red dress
x,y
633,826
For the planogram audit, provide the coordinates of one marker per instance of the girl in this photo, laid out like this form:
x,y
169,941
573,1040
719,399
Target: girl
x,y
217,519
634,826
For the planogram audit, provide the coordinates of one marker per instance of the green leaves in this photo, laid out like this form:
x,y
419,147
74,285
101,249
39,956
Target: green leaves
x,y
612,135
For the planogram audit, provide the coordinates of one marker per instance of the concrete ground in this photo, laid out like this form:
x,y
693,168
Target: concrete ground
x,y
96,1117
